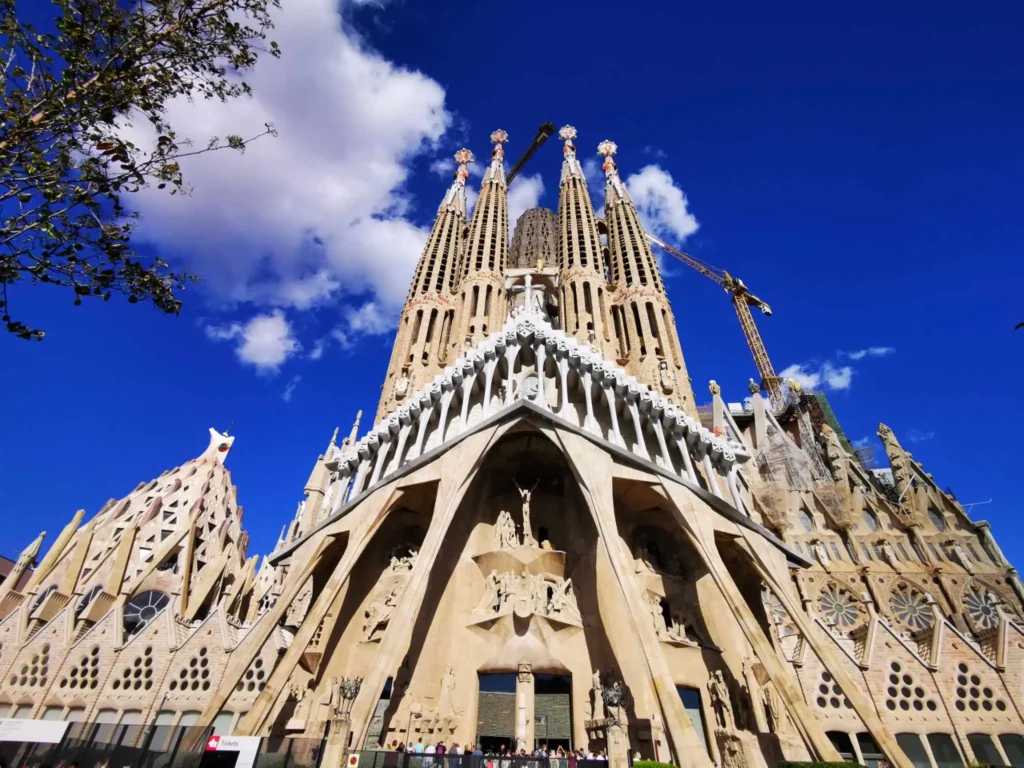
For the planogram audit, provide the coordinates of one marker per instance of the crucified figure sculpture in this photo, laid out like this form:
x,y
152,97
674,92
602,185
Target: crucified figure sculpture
x,y
525,495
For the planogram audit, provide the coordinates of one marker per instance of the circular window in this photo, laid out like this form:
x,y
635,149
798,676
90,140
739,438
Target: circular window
x,y
911,609
142,609
981,610
838,606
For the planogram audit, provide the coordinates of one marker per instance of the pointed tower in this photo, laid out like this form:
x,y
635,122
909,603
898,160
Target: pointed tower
x,y
580,263
645,330
424,331
482,295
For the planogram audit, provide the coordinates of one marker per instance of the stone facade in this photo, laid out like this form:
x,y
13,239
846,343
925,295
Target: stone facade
x,y
535,239
542,539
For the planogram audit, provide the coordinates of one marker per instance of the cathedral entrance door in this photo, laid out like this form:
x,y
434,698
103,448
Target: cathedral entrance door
x,y
552,711
496,712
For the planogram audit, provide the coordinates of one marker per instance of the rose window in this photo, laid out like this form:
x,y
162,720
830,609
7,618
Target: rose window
x,y
911,609
142,609
981,609
835,603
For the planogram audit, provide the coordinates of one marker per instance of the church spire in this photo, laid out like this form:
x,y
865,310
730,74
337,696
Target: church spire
x,y
645,330
422,343
580,259
482,297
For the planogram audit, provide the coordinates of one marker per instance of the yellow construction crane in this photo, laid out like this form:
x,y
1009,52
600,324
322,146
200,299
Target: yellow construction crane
x,y
742,301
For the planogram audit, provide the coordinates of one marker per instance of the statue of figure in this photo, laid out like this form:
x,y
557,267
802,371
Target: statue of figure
x,y
491,600
889,554
508,586
719,693
505,536
446,704
835,455
563,605
402,385
598,690
961,556
771,707
526,495
379,613
657,616
539,593
818,547
668,384
677,631
899,460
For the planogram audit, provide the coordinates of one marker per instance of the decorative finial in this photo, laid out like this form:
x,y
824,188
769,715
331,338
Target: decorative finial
x,y
567,133
607,148
463,157
499,136
795,385
752,387
334,437
713,387
228,430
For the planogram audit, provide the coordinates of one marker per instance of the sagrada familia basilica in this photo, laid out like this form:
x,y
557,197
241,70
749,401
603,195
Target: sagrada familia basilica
x,y
544,540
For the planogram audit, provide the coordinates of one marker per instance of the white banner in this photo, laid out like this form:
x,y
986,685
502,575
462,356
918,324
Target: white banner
x,y
38,731
246,746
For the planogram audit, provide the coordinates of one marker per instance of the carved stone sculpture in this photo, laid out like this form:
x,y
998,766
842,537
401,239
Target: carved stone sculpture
x,y
378,613
820,552
563,604
446,708
491,600
719,693
889,554
505,536
598,694
657,615
961,556
526,495
668,383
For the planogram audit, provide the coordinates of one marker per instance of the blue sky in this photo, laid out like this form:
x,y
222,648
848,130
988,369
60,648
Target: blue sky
x,y
859,168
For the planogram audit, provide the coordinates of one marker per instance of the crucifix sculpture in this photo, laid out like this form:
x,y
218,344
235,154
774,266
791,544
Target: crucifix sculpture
x,y
526,494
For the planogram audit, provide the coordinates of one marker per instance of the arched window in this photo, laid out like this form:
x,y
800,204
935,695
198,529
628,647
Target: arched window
x,y
935,518
806,521
142,609
86,600
868,520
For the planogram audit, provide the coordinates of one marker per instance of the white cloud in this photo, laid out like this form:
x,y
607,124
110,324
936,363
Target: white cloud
x,y
825,376
524,194
367,320
860,354
290,388
264,341
655,151
807,379
322,209
919,436
661,204
318,349
443,166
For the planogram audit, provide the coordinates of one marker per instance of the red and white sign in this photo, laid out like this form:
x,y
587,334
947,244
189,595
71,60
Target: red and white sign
x,y
246,746
353,760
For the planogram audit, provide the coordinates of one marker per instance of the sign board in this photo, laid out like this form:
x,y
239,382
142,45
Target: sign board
x,y
353,760
246,746
37,731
